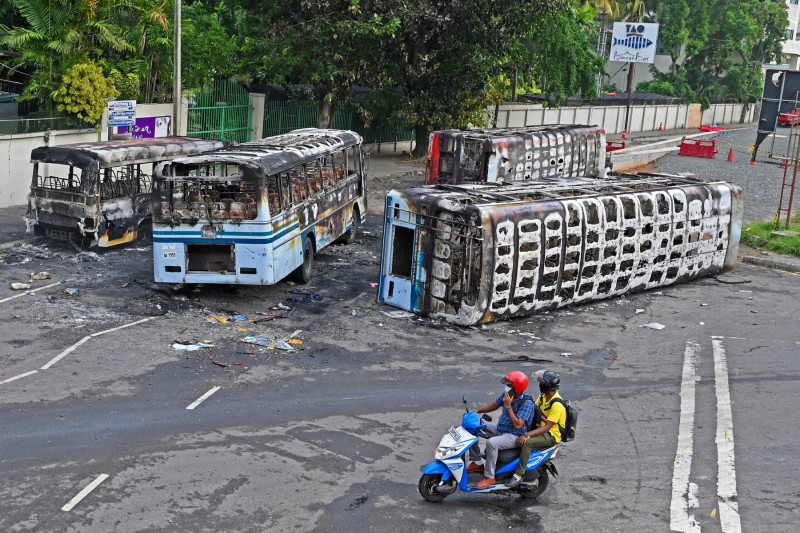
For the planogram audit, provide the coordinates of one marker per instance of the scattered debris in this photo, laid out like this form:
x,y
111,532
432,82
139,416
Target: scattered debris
x,y
652,325
71,291
566,354
639,311
191,347
527,334
20,286
220,319
40,276
224,365
279,345
87,256
239,317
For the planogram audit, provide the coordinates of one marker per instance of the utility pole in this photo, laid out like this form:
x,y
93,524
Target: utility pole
x,y
631,70
176,72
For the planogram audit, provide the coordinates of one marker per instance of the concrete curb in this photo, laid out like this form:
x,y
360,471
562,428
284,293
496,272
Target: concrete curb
x,y
771,263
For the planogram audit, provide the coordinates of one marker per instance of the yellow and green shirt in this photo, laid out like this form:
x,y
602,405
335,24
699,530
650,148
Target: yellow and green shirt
x,y
554,412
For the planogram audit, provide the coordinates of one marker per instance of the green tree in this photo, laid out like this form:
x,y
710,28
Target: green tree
x,y
83,91
58,34
207,47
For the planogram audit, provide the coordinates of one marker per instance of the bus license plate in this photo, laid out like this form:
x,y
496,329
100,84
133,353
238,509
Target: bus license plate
x,y
170,251
454,433
208,232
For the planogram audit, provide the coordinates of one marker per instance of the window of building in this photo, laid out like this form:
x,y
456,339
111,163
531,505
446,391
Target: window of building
x,y
789,34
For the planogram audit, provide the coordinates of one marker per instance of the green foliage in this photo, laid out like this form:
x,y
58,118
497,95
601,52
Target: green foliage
x,y
724,44
655,86
128,85
207,46
57,35
82,92
760,235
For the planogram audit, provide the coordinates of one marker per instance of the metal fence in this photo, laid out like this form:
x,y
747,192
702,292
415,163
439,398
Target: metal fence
x,y
13,126
223,111
282,117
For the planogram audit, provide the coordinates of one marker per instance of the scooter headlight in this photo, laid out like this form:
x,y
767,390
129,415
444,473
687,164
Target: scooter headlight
x,y
442,451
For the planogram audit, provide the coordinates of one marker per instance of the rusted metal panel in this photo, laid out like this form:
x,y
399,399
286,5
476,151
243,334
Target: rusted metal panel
x,y
99,190
480,253
506,155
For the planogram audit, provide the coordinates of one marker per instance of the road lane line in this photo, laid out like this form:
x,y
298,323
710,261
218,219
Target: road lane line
x,y
726,468
679,518
204,397
69,350
293,335
30,290
72,348
20,376
85,492
122,326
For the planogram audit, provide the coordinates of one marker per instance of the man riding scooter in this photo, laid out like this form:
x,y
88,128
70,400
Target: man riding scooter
x,y
518,416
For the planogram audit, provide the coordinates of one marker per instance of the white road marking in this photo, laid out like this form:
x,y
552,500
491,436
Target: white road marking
x,y
69,350
82,494
293,335
726,468
204,397
20,376
680,520
72,348
30,290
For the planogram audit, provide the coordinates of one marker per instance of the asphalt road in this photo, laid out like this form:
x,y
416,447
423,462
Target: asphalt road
x,y
331,437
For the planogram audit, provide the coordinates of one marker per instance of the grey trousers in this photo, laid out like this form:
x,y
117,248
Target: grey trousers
x,y
498,441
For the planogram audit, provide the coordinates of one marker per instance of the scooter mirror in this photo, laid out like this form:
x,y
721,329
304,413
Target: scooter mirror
x,y
464,399
487,418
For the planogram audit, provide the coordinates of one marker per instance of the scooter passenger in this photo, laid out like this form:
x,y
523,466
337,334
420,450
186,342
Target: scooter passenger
x,y
554,417
518,415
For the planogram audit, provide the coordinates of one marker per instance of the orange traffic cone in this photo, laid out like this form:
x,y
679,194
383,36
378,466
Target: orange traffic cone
x,y
783,164
660,126
624,136
730,155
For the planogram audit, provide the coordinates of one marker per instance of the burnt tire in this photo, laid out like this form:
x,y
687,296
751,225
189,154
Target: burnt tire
x,y
302,274
144,234
349,237
544,480
427,487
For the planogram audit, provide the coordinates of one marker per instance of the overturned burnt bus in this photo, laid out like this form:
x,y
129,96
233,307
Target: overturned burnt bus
x,y
480,253
100,192
504,155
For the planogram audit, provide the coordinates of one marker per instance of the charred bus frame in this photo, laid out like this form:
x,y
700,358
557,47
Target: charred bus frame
x,y
479,253
505,155
101,190
259,212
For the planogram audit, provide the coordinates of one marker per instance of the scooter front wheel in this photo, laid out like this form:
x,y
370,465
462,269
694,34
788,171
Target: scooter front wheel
x,y
427,487
544,479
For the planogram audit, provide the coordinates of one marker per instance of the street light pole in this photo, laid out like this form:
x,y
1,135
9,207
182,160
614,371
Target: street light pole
x,y
176,72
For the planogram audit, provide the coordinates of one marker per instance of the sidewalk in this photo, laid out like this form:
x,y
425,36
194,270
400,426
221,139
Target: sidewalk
x,y
12,227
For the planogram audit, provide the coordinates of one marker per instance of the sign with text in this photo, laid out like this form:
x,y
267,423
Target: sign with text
x,y
149,127
117,113
122,104
121,121
634,42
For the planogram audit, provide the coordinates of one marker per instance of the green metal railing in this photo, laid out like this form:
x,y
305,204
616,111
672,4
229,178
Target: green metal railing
x,y
223,111
283,117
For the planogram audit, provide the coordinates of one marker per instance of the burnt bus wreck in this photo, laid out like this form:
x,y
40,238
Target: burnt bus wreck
x,y
504,155
480,253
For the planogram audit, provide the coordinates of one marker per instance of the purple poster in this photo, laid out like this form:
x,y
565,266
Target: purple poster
x,y
148,127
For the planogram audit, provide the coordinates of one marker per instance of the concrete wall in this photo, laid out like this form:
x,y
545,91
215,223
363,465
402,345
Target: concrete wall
x,y
16,170
612,118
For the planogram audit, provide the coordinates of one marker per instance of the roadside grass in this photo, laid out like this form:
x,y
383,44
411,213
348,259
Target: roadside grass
x,y
760,235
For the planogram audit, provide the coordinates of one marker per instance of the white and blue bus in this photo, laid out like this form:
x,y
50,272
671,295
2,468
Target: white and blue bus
x,y
260,211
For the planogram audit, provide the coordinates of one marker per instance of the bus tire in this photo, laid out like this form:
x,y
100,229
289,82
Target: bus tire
x,y
349,236
302,274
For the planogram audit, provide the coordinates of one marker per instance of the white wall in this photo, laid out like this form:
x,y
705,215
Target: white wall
x,y
16,169
612,118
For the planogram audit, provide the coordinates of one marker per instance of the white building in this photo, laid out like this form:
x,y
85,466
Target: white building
x,y
791,47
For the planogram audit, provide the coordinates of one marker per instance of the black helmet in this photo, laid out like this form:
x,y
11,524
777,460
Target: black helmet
x,y
548,381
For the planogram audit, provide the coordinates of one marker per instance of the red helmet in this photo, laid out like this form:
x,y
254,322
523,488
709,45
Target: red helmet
x,y
516,380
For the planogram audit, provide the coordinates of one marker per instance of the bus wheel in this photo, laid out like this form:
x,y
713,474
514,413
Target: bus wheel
x,y
349,237
303,273
144,234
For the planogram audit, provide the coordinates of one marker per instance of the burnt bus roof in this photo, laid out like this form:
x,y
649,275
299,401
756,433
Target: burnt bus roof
x,y
480,194
129,151
525,130
277,153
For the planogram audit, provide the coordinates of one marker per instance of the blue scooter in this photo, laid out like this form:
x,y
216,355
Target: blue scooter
x,y
448,472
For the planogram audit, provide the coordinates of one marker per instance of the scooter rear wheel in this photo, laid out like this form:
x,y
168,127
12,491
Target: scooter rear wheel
x,y
427,485
544,479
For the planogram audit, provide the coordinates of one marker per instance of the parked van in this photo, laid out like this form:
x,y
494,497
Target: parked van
x,y
101,192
